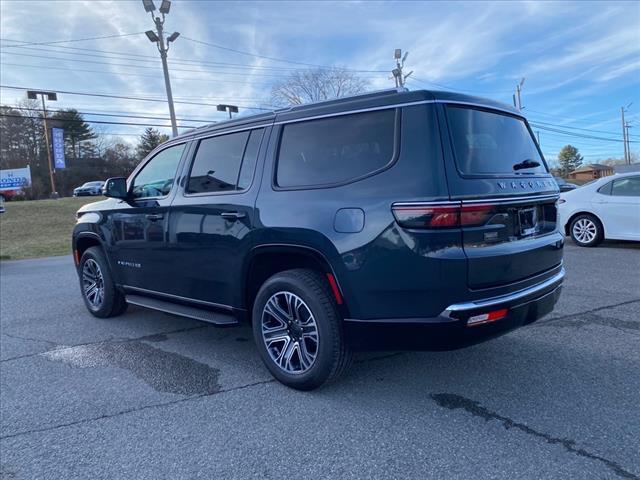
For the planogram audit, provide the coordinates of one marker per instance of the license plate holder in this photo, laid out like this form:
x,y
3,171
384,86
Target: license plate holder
x,y
528,221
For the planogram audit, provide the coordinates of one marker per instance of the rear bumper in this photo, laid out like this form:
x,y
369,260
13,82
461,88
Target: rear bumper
x,y
449,330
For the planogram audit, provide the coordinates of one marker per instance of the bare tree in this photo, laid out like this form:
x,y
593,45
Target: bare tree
x,y
305,86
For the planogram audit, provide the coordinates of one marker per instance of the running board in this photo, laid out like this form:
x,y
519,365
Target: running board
x,y
216,318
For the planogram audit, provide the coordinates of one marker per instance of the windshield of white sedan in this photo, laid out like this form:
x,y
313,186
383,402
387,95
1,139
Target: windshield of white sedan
x,y
492,143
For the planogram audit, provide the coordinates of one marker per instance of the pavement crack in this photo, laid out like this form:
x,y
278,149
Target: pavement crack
x,y
29,339
573,315
454,402
134,410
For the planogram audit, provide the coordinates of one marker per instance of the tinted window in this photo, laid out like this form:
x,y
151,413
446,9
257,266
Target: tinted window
x,y
605,189
250,158
217,163
491,143
626,187
335,150
156,177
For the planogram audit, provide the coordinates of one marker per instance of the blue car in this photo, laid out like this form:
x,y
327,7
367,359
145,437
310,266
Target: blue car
x,y
390,220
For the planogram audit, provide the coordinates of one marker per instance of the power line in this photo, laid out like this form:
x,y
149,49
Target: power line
x,y
275,59
145,117
580,135
8,115
118,35
142,99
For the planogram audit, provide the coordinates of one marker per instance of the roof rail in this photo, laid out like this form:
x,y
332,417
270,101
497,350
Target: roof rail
x,y
387,91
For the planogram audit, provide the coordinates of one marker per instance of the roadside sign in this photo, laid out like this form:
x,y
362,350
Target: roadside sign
x,y
15,178
58,147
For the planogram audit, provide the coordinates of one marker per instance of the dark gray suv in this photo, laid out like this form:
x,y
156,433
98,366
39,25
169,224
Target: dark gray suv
x,y
391,220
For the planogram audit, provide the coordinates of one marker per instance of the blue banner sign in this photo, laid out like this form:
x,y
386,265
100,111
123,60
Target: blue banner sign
x,y
58,147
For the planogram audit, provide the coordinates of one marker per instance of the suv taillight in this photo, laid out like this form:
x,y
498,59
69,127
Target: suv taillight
x,y
450,215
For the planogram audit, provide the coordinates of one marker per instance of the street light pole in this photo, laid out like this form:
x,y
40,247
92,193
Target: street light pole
x,y
33,95
158,38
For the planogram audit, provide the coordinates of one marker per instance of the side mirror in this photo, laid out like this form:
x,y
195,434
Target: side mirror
x,y
116,188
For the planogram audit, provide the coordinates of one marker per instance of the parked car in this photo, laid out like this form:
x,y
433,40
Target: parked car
x,y
415,220
89,188
607,208
563,185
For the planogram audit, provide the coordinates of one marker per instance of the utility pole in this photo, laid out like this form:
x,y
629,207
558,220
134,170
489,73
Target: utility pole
x,y
52,96
157,37
399,77
518,105
625,134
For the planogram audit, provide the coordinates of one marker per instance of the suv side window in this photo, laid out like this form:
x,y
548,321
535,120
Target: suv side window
x,y
337,149
225,163
626,187
157,176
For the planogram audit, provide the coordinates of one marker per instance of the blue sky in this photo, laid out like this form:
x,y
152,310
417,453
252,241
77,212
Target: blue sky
x,y
581,60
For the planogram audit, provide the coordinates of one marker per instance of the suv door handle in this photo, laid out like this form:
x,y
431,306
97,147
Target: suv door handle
x,y
154,216
233,215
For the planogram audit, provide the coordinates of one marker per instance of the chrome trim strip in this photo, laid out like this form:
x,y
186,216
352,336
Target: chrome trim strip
x,y
217,133
489,302
349,112
512,199
178,297
482,200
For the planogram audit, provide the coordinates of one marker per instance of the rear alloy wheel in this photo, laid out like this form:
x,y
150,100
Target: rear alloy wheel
x,y
586,231
100,294
298,330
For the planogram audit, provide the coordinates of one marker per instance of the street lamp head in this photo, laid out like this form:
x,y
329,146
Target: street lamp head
x,y
151,35
52,96
165,6
148,5
173,37
522,82
397,54
31,95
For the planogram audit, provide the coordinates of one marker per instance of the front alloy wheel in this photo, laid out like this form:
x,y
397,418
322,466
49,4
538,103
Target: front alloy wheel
x,y
93,283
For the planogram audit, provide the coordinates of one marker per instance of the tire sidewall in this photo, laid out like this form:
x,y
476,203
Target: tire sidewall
x,y
599,233
324,314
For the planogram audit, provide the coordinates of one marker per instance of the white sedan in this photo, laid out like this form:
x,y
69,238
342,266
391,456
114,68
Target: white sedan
x,y
605,208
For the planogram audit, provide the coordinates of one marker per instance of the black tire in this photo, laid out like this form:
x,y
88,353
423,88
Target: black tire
x,y
112,302
332,356
586,230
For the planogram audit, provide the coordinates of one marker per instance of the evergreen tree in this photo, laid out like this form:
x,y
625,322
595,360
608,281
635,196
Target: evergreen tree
x,y
149,140
76,130
569,159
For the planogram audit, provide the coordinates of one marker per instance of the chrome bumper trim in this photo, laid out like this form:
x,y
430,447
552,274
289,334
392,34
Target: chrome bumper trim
x,y
489,302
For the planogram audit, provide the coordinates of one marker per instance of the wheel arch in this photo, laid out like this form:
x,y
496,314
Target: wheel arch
x,y
267,260
82,242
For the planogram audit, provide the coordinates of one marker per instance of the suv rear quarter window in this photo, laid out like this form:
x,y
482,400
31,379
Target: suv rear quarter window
x,y
335,150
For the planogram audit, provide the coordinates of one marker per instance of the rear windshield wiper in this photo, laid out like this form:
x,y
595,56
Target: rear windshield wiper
x,y
528,163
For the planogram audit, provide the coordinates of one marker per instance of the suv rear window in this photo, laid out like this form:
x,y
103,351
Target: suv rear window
x,y
491,143
335,150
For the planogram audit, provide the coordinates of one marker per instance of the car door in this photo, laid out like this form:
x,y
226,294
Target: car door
x,y
212,217
618,205
138,227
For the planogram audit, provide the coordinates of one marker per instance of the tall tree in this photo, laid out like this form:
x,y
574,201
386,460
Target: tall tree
x,y
305,86
569,159
76,130
149,140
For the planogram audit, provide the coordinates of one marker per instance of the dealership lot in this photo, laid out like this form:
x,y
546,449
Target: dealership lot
x,y
152,395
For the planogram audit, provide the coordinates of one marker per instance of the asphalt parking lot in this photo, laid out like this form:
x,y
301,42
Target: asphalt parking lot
x,y
149,395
